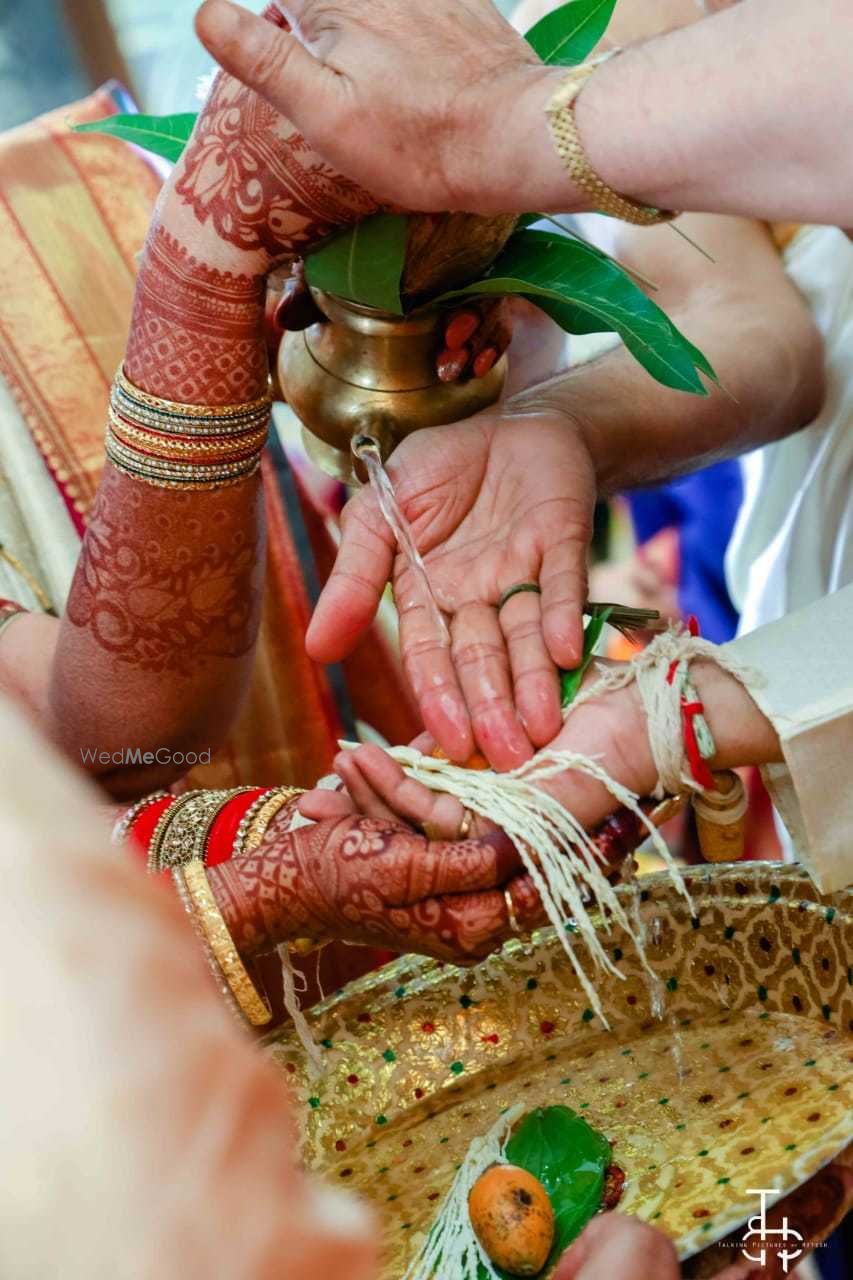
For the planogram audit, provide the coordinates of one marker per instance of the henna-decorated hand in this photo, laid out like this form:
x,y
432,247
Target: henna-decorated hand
x,y
248,192
374,882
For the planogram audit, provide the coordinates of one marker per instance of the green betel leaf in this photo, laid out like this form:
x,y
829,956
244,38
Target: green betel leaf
x,y
164,135
586,292
364,264
566,36
570,1159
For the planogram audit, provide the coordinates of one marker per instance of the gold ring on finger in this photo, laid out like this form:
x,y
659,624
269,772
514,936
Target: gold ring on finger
x,y
510,911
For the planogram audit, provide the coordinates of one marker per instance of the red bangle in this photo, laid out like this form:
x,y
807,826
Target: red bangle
x,y
223,833
142,827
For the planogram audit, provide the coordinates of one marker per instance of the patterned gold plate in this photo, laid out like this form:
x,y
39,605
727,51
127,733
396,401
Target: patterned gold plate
x,y
746,1082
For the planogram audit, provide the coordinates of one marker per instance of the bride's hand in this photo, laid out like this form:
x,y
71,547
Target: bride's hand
x,y
378,883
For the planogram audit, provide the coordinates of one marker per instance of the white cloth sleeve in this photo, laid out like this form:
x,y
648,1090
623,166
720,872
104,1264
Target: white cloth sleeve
x,y
804,685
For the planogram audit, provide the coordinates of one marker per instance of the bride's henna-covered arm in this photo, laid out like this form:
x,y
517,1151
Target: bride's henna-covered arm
x,y
369,881
156,648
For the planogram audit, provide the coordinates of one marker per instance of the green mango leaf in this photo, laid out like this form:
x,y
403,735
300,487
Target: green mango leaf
x,y
570,681
570,1159
566,36
164,135
364,264
586,292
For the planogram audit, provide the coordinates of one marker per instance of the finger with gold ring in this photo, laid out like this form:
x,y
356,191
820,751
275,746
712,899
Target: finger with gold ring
x,y
510,911
465,825
519,587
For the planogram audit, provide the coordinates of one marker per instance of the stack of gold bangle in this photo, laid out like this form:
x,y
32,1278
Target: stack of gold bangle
x,y
183,446
223,958
182,830
259,817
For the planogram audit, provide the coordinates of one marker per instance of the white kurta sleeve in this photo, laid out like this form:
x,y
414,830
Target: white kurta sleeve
x,y
803,667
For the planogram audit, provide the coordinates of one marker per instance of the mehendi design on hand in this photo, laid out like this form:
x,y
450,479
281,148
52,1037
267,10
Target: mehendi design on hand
x,y
258,181
167,580
373,882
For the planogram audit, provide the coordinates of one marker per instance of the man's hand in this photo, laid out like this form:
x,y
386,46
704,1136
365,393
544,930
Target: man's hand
x,y
406,99
502,499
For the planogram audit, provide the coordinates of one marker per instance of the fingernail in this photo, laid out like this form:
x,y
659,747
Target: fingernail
x,y
485,361
451,364
462,327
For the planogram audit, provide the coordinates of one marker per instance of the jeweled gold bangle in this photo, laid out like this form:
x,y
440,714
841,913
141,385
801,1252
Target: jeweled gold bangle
x,y
165,469
237,848
153,863
188,905
222,945
122,827
187,826
265,816
164,474
188,410
560,112
198,449
186,428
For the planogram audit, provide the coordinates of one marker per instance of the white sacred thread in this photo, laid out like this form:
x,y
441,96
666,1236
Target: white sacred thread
x,y
662,699
560,856
452,1247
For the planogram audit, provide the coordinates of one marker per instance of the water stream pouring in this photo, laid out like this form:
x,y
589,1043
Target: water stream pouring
x,y
366,449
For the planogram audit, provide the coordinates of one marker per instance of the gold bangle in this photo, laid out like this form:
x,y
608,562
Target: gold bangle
x,y
178,476
187,904
560,112
199,449
188,410
265,816
222,945
186,427
153,862
187,826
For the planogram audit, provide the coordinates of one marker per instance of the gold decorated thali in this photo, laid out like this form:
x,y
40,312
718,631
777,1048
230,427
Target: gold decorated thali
x,y
746,1081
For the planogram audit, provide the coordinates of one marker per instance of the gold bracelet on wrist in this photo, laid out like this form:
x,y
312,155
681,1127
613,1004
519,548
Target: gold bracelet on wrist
x,y
189,410
560,113
183,446
263,818
182,832
222,946
188,905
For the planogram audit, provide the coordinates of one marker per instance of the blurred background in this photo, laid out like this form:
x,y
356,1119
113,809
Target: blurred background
x,y
54,51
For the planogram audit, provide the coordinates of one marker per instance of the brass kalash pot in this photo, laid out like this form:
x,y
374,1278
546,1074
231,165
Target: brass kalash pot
x,y
365,372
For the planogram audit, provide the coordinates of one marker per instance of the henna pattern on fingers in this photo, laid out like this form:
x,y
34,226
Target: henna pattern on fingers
x,y
258,181
167,580
368,881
